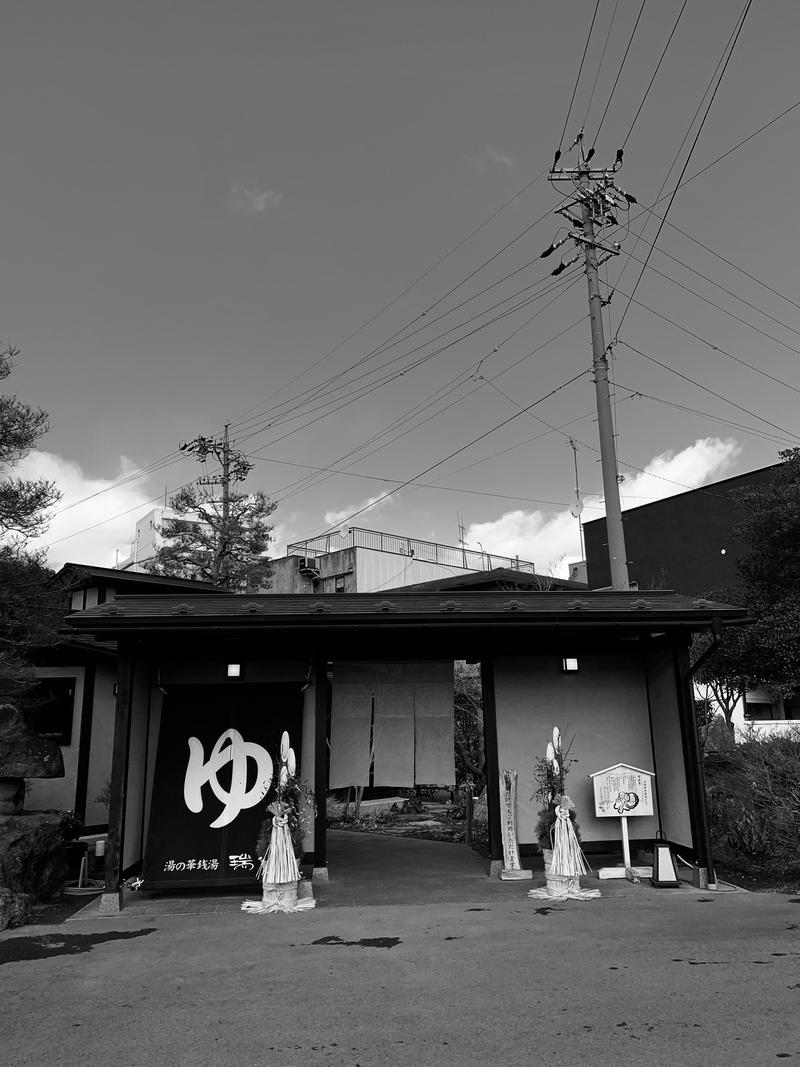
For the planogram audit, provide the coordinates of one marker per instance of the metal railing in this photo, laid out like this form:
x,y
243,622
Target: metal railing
x,y
428,551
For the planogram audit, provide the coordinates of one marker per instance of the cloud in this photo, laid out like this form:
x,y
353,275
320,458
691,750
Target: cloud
x,y
551,540
89,532
499,157
372,503
250,199
488,159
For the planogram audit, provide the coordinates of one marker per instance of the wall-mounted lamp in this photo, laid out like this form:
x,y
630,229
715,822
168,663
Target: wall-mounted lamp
x,y
569,663
234,670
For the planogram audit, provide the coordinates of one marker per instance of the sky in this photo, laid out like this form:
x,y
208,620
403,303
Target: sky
x,y
301,219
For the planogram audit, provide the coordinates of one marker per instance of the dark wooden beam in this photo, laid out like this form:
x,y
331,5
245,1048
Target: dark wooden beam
x,y
693,761
84,742
492,761
321,766
111,900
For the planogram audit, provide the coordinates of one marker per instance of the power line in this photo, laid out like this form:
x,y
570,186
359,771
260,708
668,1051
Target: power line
x,y
408,288
655,72
416,409
593,448
619,72
599,65
371,387
166,461
397,338
752,430
706,389
736,296
462,448
716,348
737,32
578,78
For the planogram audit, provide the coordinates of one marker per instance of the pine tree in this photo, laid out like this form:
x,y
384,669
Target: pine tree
x,y
30,604
219,539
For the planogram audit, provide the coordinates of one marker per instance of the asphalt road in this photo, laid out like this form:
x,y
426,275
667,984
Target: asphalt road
x,y
640,976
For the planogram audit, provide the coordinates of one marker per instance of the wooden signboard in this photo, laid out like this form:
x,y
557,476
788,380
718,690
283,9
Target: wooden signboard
x,y
620,791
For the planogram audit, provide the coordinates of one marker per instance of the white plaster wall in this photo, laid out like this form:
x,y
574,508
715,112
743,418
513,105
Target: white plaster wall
x,y
603,705
43,793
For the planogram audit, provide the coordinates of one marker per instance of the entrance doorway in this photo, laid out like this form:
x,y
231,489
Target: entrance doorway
x,y
429,717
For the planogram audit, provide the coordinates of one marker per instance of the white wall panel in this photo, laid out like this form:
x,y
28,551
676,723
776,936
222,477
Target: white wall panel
x,y
376,571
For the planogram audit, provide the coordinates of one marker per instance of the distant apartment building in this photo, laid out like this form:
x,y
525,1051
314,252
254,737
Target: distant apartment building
x,y
147,538
356,560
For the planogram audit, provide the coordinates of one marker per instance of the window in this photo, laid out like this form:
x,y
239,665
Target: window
x,y
569,663
759,711
53,703
339,583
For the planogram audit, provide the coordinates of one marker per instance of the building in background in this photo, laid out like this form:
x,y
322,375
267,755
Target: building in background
x,y
355,560
147,538
686,543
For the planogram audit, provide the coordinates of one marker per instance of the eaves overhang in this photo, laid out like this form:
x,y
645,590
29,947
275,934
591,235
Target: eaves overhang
x,y
654,610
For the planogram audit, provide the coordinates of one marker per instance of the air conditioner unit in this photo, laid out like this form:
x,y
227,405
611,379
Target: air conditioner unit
x,y
309,566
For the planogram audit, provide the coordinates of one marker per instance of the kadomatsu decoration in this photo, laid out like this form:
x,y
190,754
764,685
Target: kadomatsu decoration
x,y
557,830
280,841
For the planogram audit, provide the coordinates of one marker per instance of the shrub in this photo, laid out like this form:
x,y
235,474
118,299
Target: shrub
x,y
753,793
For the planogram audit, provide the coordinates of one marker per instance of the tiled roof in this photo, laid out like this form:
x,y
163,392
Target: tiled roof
x,y
398,607
120,578
496,576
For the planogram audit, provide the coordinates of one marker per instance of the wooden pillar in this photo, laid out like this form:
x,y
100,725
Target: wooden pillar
x,y
693,761
320,767
111,900
492,765
84,742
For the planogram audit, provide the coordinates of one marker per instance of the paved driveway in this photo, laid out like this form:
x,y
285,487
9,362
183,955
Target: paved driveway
x,y
640,976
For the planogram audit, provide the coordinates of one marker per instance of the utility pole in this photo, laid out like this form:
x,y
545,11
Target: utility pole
x,y
597,198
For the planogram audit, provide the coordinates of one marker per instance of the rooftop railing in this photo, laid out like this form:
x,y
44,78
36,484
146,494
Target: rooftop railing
x,y
429,551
